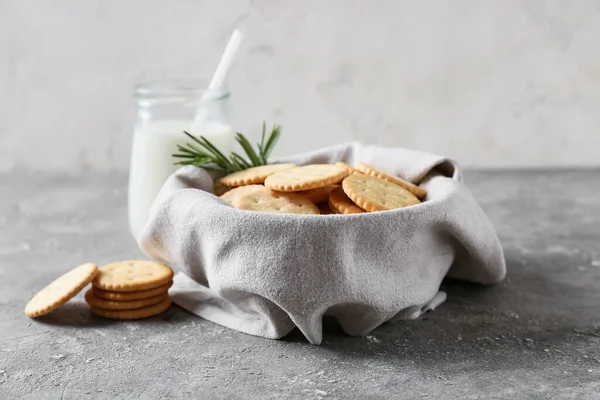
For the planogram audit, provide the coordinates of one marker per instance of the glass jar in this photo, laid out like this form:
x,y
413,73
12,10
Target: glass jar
x,y
164,111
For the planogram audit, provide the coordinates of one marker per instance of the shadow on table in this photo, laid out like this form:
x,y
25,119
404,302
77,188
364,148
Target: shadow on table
x,y
74,313
541,305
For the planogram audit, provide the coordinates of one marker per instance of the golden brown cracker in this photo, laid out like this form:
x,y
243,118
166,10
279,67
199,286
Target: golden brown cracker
x,y
318,195
132,275
219,189
342,204
348,168
267,200
411,187
99,302
374,194
233,193
306,177
61,290
129,296
139,313
253,175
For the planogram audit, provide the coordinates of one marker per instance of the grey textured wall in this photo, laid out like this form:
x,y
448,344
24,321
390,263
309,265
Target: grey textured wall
x,y
490,83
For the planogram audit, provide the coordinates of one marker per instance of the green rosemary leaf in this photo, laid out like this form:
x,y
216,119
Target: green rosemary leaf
x,y
182,155
237,164
204,160
188,162
192,153
198,152
218,155
197,161
202,153
193,149
213,168
207,164
261,146
210,157
254,159
240,159
194,138
271,142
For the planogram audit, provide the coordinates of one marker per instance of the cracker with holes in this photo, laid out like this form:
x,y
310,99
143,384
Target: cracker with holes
x,y
61,290
267,200
374,194
411,187
306,177
233,193
133,275
253,175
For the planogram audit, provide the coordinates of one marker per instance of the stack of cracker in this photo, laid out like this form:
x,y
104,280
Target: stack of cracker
x,y
123,290
130,290
317,189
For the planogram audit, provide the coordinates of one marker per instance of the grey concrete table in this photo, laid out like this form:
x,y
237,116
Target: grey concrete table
x,y
536,335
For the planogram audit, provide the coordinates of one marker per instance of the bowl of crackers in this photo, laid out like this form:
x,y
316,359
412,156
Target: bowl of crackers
x,y
358,232
317,189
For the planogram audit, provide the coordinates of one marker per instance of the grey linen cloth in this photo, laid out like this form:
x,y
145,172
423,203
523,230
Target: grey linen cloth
x,y
265,273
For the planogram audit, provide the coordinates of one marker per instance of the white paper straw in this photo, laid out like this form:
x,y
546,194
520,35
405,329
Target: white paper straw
x,y
218,78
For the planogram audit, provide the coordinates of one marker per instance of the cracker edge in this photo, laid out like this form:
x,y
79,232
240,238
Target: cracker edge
x,y
367,205
367,169
64,299
155,300
96,291
130,315
343,173
345,207
271,191
258,179
134,288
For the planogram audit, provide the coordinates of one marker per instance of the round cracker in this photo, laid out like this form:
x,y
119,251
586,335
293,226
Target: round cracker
x,y
306,177
411,187
374,194
253,175
132,275
267,200
129,296
342,204
318,195
348,168
61,290
138,313
99,302
233,193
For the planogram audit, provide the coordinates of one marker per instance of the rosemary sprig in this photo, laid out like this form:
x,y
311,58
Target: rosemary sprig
x,y
202,153
267,148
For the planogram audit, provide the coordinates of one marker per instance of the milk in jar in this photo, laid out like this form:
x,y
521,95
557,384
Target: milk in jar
x,y
165,110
